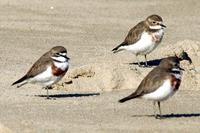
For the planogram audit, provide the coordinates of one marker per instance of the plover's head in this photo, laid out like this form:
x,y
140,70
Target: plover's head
x,y
170,64
59,54
155,22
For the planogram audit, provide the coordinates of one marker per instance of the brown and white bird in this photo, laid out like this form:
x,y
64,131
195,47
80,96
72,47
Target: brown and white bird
x,y
143,38
48,69
161,83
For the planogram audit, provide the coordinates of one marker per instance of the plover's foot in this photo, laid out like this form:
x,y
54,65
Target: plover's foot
x,y
158,116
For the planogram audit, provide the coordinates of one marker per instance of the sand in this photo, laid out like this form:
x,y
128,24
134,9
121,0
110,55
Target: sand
x,y
86,98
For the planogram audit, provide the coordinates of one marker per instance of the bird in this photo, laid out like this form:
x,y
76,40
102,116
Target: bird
x,y
47,70
143,38
160,83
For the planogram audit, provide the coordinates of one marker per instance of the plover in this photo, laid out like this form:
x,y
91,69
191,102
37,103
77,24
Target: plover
x,y
143,38
48,69
161,83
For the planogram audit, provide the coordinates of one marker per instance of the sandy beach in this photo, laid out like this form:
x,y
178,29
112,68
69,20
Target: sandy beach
x,y
89,30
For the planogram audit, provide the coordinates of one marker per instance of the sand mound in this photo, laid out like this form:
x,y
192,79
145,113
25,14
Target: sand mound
x,y
191,75
101,77
115,76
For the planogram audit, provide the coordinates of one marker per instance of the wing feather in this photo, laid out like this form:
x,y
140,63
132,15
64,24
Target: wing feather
x,y
133,36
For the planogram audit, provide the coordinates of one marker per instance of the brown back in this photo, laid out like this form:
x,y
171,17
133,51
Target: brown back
x,y
40,65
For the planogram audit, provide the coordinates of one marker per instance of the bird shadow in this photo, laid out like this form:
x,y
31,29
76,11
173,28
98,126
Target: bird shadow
x,y
181,115
70,95
169,116
150,63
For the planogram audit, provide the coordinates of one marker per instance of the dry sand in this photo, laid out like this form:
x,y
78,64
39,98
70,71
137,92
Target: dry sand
x,y
89,30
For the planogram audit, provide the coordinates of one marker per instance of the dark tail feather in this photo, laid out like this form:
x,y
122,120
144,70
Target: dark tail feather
x,y
116,49
20,80
132,96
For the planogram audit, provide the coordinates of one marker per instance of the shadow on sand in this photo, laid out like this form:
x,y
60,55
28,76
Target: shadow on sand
x,y
70,95
150,63
168,116
181,115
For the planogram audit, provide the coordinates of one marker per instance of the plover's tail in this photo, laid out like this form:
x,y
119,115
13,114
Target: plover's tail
x,y
115,50
118,48
132,96
20,81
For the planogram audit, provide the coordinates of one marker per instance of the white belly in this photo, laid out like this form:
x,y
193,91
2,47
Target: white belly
x,y
162,93
45,79
145,45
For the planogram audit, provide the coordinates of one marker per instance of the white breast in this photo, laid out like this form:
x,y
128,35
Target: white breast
x,y
62,65
158,35
162,93
145,45
61,62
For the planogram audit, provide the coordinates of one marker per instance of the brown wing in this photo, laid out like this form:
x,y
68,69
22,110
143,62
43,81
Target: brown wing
x,y
133,35
151,82
39,66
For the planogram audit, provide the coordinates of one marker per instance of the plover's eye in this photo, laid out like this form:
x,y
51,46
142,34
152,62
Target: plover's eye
x,y
154,22
57,54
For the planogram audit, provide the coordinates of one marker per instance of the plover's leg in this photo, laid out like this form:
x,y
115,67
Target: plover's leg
x,y
47,88
159,108
138,61
145,56
48,97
